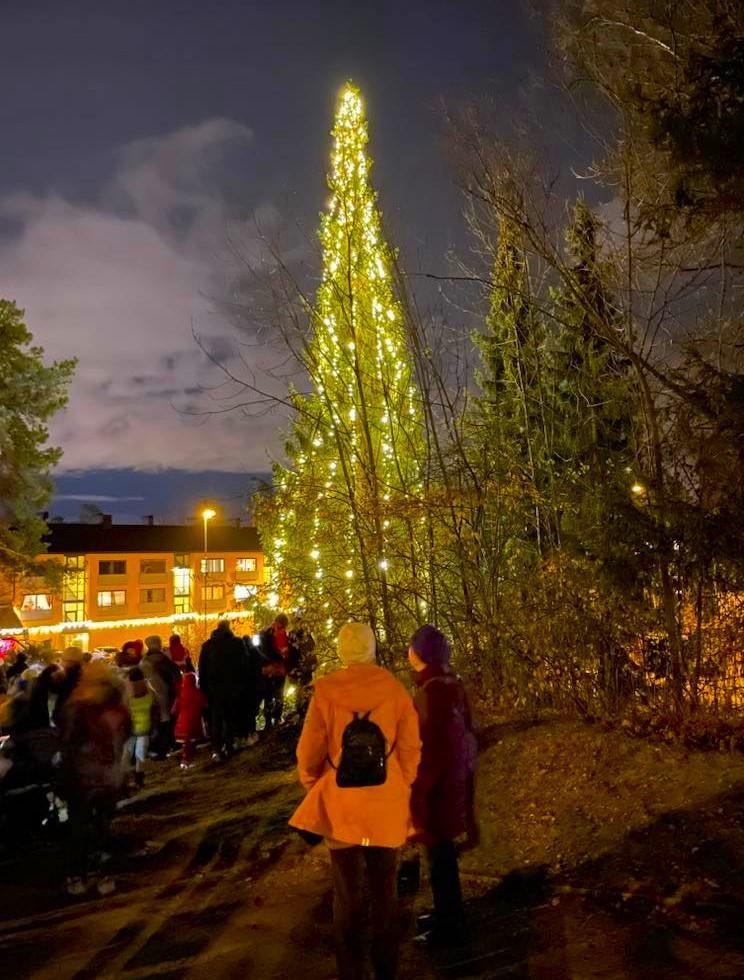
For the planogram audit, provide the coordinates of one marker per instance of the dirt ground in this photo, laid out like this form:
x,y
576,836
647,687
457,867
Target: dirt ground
x,y
602,857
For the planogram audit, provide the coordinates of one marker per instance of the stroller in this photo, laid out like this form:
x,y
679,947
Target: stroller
x,y
30,767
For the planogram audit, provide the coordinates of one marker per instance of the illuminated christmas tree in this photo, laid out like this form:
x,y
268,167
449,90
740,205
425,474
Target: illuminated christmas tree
x,y
341,528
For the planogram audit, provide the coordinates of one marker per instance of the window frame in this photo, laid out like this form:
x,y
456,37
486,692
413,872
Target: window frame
x,y
35,607
111,561
212,561
150,561
152,602
113,604
247,558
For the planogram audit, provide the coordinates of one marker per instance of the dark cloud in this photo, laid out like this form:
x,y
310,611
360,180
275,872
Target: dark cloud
x,y
122,284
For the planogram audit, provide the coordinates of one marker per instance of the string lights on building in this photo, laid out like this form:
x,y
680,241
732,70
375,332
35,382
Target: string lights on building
x,y
86,625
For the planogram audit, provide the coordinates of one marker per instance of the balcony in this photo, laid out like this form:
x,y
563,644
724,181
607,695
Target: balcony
x,y
109,581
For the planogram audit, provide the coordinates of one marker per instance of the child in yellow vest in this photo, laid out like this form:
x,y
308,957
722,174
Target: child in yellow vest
x,y
144,711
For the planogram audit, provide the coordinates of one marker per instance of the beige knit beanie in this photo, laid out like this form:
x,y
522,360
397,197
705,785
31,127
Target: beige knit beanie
x,y
356,644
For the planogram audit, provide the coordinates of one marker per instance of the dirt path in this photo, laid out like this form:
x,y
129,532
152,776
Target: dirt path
x,y
223,890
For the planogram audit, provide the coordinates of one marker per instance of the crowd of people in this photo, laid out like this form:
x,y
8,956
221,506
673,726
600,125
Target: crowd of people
x,y
92,728
380,768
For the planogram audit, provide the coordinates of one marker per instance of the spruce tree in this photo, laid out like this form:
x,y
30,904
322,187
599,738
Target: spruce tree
x,y
340,528
510,413
594,395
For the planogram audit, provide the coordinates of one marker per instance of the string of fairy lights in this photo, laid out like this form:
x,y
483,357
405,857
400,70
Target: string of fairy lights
x,y
363,400
88,625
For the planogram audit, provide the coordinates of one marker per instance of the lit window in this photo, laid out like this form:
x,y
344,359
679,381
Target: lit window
x,y
181,581
152,566
115,597
243,592
112,568
181,561
245,565
151,596
212,565
72,610
214,592
36,602
182,604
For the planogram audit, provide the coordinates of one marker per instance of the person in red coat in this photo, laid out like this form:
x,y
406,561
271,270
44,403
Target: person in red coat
x,y
189,709
179,654
442,795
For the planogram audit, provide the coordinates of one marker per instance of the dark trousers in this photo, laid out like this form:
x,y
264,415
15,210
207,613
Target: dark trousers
x,y
223,725
89,818
445,886
248,715
274,700
164,740
352,868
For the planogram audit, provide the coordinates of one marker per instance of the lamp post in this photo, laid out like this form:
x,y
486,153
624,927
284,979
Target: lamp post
x,y
207,514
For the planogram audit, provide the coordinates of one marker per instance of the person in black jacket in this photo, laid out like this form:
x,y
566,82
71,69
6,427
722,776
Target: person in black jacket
x,y
225,680
257,690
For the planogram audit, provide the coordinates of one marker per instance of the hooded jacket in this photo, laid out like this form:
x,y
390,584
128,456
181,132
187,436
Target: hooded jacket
x,y
189,709
375,816
442,798
164,678
95,728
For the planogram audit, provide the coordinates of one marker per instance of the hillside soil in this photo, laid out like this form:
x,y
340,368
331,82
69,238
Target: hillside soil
x,y
601,856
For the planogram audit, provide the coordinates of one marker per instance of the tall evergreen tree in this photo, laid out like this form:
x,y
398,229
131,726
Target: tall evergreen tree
x,y
341,524
31,392
594,401
510,416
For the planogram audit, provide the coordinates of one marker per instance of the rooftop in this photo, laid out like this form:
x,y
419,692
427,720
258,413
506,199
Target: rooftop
x,y
83,539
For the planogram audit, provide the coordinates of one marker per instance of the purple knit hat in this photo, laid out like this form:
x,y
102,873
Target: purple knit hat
x,y
431,646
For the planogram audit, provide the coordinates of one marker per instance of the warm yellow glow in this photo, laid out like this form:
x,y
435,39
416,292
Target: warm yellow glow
x,y
637,489
208,513
87,625
357,462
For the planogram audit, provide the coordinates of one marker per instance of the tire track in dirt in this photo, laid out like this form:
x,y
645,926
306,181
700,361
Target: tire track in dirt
x,y
89,939
203,892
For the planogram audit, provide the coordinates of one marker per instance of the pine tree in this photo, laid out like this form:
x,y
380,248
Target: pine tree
x,y
31,392
341,524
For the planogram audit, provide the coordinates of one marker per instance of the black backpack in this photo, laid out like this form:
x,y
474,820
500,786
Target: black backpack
x,y
364,754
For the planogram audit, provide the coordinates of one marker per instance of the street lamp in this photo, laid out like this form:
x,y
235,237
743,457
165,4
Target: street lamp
x,y
207,514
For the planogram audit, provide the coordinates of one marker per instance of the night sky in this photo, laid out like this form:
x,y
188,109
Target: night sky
x,y
136,133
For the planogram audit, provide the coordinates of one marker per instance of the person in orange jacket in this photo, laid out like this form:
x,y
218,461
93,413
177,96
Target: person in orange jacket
x,y
357,757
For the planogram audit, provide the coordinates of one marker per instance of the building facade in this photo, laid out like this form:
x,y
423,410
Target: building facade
x,y
122,581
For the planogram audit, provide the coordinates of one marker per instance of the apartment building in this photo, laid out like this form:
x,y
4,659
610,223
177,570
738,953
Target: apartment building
x,y
125,581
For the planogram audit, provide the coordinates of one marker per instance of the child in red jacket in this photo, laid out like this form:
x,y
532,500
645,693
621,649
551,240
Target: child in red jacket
x,y
189,710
